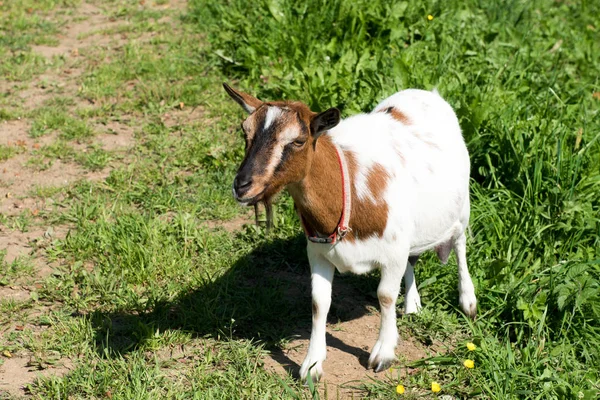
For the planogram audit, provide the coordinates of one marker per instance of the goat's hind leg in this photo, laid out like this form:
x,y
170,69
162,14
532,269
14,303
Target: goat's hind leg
x,y
466,290
383,354
412,300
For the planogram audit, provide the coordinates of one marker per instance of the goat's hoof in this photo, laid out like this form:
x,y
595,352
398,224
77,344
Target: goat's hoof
x,y
472,313
312,369
468,303
380,361
384,365
413,309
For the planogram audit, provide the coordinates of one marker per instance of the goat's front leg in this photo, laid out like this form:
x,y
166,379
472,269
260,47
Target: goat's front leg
x,y
321,278
383,354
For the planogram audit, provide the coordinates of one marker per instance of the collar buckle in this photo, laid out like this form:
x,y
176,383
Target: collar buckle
x,y
342,231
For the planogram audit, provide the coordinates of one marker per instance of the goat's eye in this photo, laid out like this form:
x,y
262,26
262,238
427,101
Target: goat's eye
x,y
299,142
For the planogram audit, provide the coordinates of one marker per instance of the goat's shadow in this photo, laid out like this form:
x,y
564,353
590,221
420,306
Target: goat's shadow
x,y
264,296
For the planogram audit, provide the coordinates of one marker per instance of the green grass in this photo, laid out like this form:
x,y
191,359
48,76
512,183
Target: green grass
x,y
25,24
7,151
55,118
20,267
149,301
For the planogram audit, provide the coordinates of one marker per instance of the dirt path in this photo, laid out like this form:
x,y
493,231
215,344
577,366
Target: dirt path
x,y
20,183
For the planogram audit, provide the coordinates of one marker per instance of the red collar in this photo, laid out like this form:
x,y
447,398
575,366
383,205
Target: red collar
x,y
342,228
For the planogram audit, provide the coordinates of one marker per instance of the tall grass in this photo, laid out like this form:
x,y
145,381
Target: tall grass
x,y
523,78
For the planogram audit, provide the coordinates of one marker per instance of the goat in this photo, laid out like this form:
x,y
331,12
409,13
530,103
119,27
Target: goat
x,y
390,185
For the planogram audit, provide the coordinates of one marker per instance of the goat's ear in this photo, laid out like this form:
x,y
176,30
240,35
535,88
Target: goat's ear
x,y
248,103
324,121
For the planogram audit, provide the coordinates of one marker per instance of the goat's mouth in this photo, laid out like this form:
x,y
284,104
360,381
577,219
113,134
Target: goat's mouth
x,y
249,201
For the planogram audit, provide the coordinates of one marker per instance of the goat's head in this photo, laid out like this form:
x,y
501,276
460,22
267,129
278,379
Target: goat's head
x,y
280,139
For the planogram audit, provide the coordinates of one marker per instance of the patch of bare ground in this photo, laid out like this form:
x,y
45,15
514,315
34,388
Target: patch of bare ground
x,y
18,244
48,85
232,225
115,136
348,347
182,116
13,293
14,133
18,371
18,180
30,244
86,31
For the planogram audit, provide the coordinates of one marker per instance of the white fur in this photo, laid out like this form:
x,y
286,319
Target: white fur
x,y
428,202
272,114
288,135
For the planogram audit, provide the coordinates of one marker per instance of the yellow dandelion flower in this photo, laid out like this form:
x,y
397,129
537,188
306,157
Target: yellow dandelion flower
x,y
430,17
400,389
435,387
469,364
471,346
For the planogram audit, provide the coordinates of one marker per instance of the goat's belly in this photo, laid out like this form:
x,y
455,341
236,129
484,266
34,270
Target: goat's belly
x,y
422,243
357,257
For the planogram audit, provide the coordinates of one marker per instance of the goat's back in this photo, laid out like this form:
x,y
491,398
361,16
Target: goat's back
x,y
415,136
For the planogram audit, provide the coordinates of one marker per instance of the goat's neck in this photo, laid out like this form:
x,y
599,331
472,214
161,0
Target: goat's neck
x,y
318,197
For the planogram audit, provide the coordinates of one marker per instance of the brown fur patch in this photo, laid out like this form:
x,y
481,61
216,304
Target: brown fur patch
x,y
397,115
302,109
318,196
368,218
385,301
377,180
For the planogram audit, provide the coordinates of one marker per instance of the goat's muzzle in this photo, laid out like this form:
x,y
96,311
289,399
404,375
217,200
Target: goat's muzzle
x,y
241,186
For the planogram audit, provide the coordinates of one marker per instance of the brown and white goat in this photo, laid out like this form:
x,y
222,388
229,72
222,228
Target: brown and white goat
x,y
406,190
